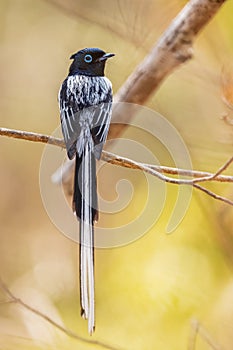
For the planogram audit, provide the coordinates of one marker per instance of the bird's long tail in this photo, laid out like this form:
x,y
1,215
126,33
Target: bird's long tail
x,y
85,206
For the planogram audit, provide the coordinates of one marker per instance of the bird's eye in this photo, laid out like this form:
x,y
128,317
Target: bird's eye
x,y
88,58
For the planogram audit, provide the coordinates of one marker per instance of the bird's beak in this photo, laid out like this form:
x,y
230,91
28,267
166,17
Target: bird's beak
x,y
105,57
72,57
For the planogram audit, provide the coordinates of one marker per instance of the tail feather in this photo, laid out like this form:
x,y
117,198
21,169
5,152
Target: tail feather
x,y
85,207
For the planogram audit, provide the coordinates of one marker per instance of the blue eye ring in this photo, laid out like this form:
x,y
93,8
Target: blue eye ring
x,y
88,58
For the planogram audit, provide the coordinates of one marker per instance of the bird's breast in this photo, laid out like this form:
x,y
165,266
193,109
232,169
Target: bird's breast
x,y
88,91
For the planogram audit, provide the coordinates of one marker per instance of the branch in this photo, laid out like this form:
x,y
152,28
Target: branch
x,y
172,49
220,170
212,194
198,329
128,163
155,170
193,335
31,136
68,332
152,169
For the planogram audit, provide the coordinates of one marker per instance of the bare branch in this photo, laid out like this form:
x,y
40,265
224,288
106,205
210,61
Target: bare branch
x,y
218,172
223,168
126,162
212,194
193,173
193,335
198,329
31,136
173,49
7,302
198,175
155,170
68,332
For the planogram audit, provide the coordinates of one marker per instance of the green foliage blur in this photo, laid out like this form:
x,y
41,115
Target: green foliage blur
x,y
148,292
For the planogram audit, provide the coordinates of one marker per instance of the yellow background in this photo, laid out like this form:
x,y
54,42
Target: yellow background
x,y
148,292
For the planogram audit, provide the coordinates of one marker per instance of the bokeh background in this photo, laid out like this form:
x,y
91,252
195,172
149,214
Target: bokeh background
x,y
148,292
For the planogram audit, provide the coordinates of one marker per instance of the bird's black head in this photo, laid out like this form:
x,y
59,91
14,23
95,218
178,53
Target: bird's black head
x,y
89,61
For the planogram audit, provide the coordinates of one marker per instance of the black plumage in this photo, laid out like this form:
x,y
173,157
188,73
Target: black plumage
x,y
85,101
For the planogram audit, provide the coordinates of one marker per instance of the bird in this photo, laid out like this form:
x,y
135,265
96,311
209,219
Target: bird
x,y
85,102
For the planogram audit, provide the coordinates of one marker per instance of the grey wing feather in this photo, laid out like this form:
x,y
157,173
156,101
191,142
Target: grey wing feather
x,y
70,114
100,126
81,113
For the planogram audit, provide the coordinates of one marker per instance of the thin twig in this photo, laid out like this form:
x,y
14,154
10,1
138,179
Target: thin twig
x,y
198,329
212,194
208,339
68,332
193,335
223,167
7,302
218,172
192,173
198,175
32,136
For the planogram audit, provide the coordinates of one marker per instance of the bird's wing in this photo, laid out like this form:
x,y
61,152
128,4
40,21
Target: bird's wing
x,y
100,125
83,114
70,115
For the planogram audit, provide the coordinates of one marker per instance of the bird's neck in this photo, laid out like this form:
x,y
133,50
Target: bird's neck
x,y
95,71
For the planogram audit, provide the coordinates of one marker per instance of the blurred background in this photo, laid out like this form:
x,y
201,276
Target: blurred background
x,y
147,292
